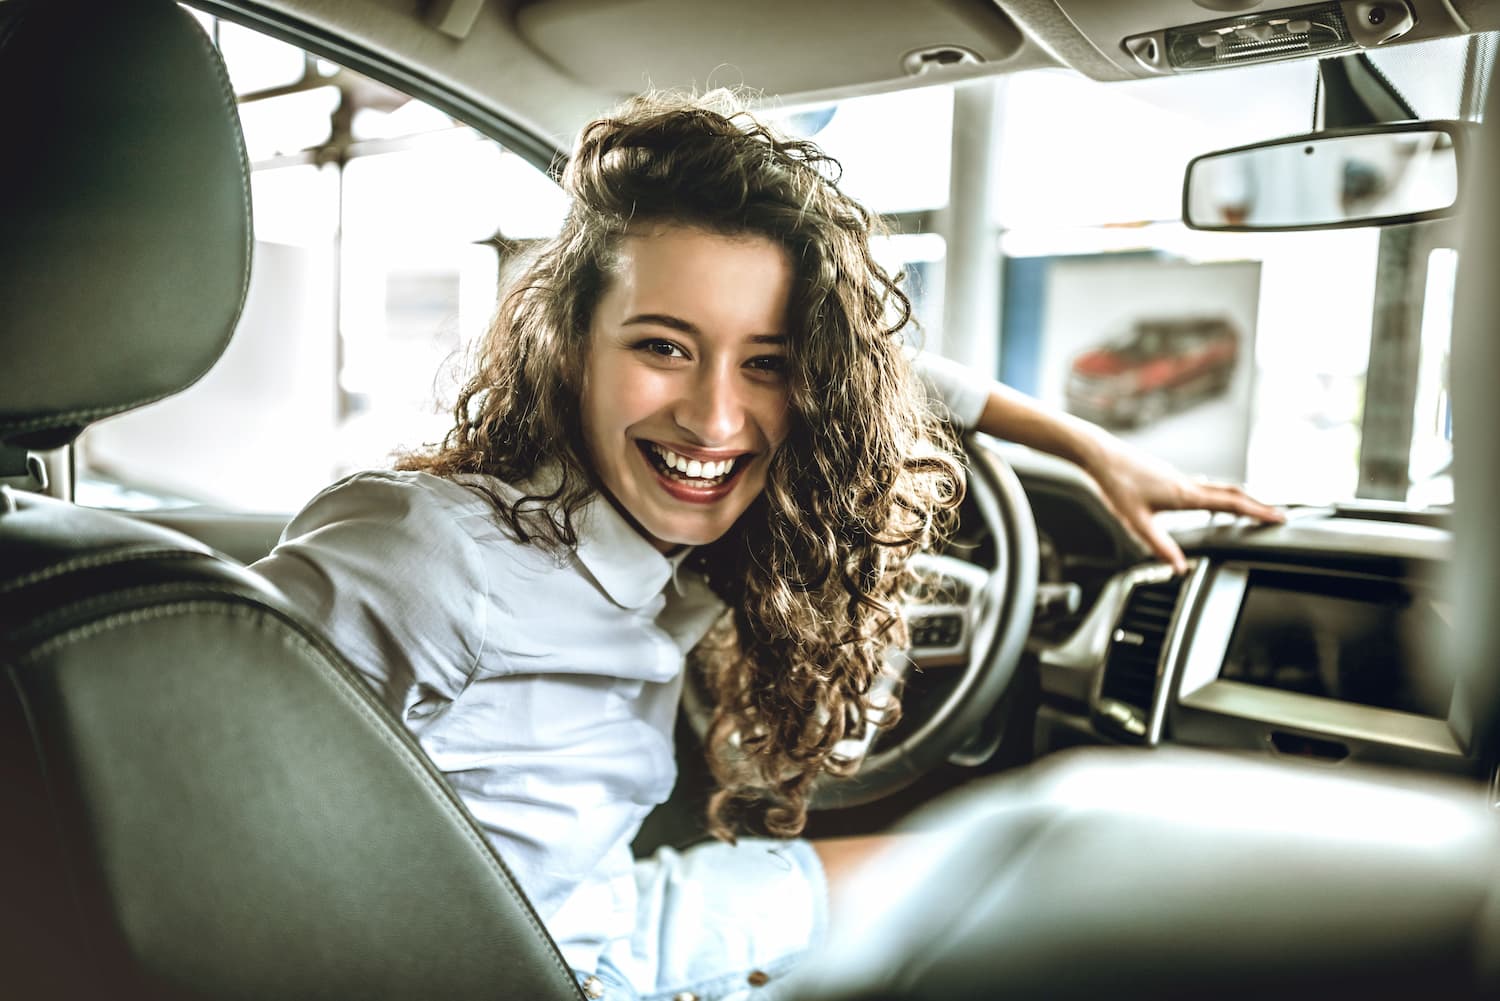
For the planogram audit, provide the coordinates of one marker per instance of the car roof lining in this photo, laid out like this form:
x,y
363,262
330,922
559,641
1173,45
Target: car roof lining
x,y
493,65
530,73
626,46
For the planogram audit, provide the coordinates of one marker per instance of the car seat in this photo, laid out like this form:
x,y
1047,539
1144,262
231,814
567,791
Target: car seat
x,y
199,798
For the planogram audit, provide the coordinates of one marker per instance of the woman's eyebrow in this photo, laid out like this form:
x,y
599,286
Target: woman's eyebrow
x,y
663,320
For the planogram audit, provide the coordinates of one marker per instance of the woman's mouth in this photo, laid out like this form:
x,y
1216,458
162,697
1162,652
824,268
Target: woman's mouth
x,y
691,474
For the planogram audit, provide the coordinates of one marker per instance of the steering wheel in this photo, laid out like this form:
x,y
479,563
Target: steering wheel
x,y
975,623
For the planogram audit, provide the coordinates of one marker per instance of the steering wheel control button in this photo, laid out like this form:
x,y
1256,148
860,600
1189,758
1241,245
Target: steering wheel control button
x,y
593,988
937,631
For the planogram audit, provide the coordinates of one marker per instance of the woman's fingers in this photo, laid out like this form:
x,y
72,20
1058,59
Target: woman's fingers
x,y
1232,499
1163,545
1136,487
1213,497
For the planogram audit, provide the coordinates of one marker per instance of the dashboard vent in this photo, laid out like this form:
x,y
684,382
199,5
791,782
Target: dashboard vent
x,y
1135,648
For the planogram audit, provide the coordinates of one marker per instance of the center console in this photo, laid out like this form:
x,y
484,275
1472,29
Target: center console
x,y
1323,638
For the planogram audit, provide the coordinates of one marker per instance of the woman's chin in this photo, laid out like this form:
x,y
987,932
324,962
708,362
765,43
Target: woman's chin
x,y
672,534
670,516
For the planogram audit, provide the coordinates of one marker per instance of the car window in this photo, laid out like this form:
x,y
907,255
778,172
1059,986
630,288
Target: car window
x,y
381,229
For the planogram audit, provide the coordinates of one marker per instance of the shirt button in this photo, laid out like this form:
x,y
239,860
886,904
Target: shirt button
x,y
685,996
594,988
758,978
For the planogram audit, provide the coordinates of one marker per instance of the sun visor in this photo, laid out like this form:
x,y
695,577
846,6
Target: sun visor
x,y
626,46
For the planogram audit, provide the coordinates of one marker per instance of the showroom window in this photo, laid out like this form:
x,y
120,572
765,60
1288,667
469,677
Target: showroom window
x,y
381,228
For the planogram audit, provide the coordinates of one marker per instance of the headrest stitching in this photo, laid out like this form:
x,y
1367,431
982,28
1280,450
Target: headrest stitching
x,y
231,106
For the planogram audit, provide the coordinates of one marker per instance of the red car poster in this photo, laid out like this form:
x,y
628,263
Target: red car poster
x,y
1159,351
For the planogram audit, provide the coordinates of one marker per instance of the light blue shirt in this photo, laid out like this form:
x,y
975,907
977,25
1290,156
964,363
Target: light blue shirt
x,y
544,687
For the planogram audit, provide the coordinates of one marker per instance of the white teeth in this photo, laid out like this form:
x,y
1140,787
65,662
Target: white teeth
x,y
693,468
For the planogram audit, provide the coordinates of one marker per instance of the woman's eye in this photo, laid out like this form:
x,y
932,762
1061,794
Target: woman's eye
x,y
773,364
665,349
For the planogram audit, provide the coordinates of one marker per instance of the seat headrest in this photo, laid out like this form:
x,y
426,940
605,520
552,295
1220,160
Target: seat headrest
x,y
125,235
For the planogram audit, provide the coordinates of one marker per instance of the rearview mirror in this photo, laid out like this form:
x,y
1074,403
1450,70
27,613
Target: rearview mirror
x,y
1326,180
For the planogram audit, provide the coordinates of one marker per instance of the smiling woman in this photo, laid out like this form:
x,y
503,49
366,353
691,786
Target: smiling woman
x,y
713,295
685,396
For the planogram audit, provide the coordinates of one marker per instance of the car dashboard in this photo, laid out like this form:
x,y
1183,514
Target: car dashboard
x,y
1310,639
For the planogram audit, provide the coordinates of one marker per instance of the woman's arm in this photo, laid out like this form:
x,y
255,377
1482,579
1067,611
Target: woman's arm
x,y
383,563
1134,485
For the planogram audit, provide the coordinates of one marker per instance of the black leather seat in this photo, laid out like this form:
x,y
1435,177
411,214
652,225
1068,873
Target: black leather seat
x,y
199,799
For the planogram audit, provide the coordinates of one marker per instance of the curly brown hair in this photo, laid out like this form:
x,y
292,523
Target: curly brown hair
x,y
813,570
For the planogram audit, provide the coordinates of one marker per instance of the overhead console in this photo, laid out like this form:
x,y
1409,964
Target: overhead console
x,y
626,46
1171,36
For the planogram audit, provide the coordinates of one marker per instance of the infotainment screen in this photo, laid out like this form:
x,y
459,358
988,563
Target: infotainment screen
x,y
1356,639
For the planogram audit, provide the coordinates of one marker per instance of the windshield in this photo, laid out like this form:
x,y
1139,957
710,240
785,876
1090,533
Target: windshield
x,y
1036,217
1311,366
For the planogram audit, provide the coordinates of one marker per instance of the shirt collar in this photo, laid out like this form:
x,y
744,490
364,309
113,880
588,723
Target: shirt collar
x,y
628,567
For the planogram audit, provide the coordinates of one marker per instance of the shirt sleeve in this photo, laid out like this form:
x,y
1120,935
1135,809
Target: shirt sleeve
x,y
958,392
383,562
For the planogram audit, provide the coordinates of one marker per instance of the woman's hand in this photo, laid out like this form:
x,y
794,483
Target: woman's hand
x,y
1135,486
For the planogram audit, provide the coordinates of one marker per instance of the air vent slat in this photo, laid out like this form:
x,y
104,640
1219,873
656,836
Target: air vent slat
x,y
1152,607
1150,611
1130,668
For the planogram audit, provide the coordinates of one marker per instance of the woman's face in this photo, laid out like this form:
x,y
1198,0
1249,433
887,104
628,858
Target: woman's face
x,y
685,387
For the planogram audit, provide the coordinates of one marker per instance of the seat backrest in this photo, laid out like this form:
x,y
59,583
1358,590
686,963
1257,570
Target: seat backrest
x,y
199,799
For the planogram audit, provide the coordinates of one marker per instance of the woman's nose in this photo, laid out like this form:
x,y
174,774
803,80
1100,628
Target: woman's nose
x,y
712,410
